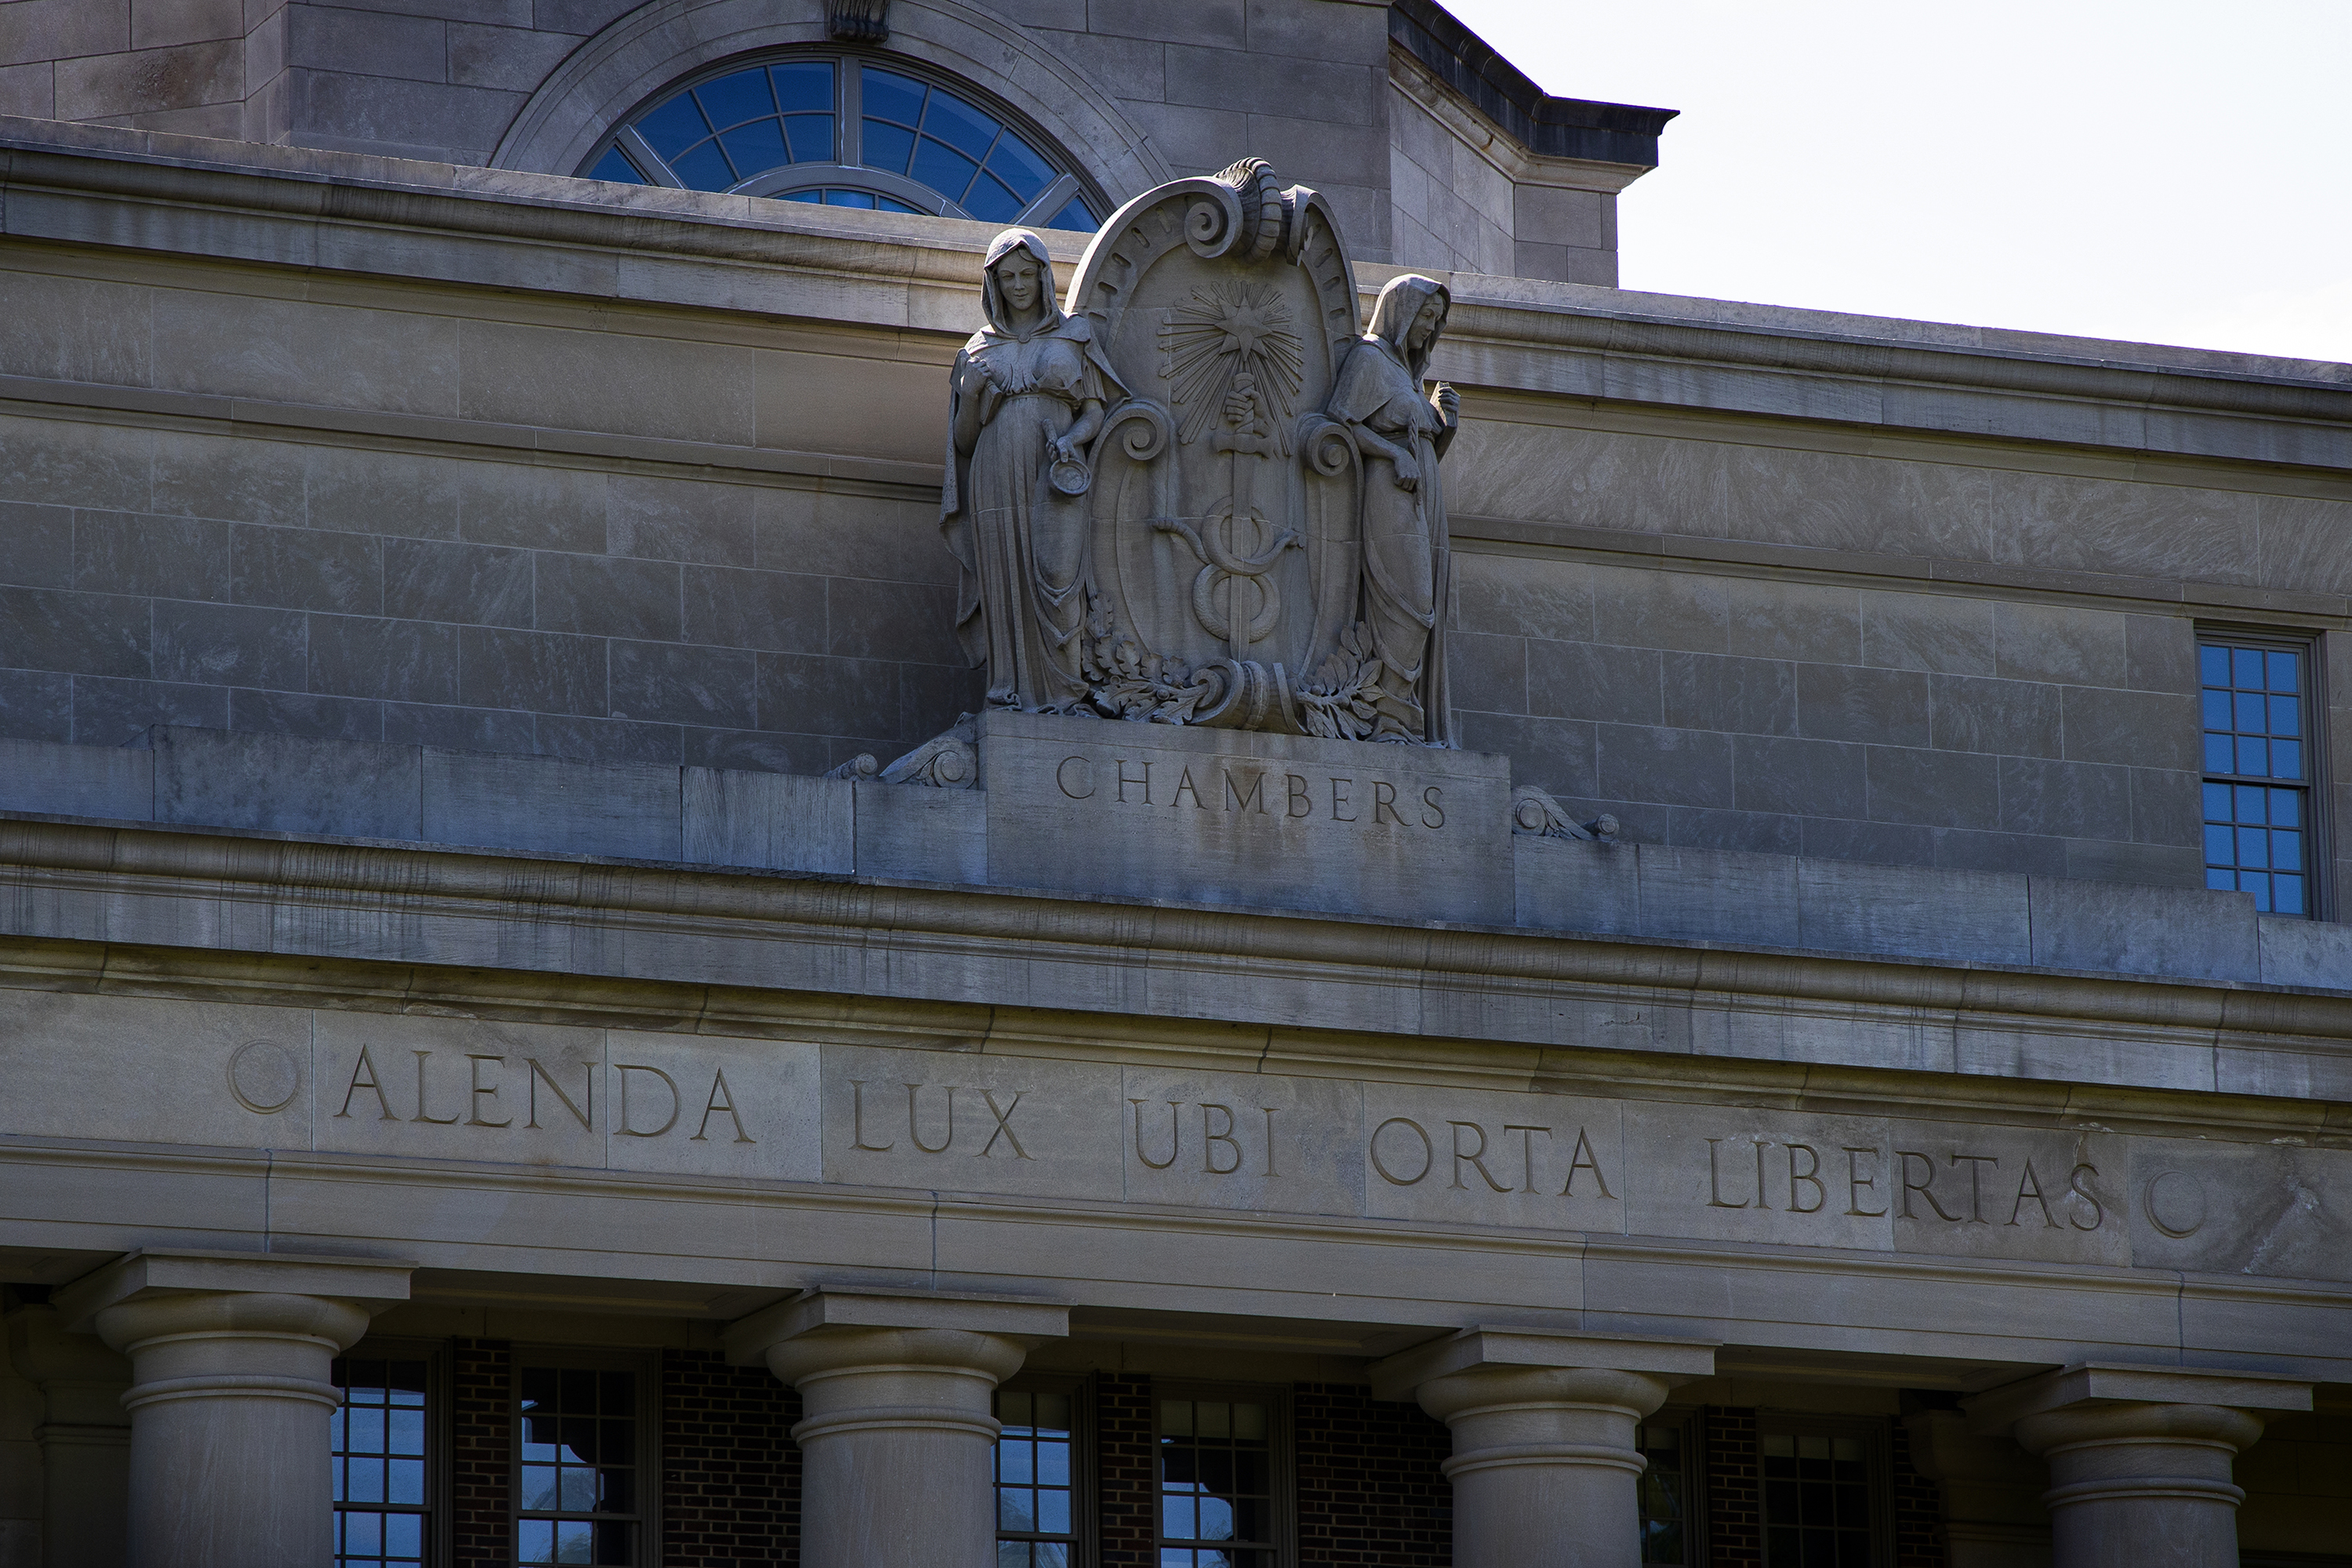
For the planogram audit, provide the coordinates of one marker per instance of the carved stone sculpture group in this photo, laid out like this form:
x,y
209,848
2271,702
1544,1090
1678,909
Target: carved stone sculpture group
x,y
1200,492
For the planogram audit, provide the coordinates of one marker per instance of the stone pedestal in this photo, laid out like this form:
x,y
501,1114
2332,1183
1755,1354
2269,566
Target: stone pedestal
x,y
2139,1457
1991,1492
84,1438
229,1397
898,1424
1544,1466
1169,811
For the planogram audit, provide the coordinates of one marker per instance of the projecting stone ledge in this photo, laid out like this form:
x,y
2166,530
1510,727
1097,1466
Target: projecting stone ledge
x,y
1234,817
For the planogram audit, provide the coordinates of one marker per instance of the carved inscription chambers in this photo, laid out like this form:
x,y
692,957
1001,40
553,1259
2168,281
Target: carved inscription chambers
x,y
1179,784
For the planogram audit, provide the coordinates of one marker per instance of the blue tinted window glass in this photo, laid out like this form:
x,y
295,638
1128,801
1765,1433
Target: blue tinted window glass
x,y
2252,756
2286,809
619,170
960,126
2253,847
815,198
804,85
704,169
2216,710
841,198
2287,850
2282,671
888,95
2213,666
2248,714
2217,803
756,148
990,201
2254,882
2218,843
810,136
2253,804
889,147
2286,759
2286,897
2246,668
2217,753
2220,879
732,100
1018,166
888,205
942,168
2286,716
674,127
1073,216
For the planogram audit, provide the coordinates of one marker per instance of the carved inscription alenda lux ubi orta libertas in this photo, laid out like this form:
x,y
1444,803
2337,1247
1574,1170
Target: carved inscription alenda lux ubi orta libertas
x,y
1201,492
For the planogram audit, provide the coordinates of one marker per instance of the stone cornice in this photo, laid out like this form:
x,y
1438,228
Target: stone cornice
x,y
496,228
647,945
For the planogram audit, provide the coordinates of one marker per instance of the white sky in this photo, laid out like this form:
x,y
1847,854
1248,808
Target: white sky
x,y
2156,171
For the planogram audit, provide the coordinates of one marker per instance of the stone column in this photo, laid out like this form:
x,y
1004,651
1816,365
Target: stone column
x,y
2139,1456
84,1438
1544,1466
229,1395
898,1424
1991,1491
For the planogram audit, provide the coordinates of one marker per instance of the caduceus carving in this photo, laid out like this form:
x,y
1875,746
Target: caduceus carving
x,y
1232,356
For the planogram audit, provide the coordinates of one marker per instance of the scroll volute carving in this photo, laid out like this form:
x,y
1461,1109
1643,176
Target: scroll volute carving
x,y
1204,494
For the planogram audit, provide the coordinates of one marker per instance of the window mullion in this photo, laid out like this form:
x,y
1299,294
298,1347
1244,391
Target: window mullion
x,y
849,116
640,152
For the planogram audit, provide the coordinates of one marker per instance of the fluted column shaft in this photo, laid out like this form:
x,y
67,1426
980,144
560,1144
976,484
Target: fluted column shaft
x,y
898,1424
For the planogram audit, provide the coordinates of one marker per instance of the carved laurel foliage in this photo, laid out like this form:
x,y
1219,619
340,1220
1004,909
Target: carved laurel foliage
x,y
1342,701
1124,681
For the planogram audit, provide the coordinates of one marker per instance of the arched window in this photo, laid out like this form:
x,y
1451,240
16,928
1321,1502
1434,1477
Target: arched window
x,y
848,132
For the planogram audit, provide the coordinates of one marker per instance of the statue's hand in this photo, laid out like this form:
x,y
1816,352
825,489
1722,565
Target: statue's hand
x,y
1449,403
1062,452
1408,473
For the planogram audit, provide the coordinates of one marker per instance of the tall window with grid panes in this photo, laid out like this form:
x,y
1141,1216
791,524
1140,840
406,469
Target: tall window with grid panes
x,y
1038,1462
378,1439
1819,1496
1668,1533
1219,1483
578,1498
2254,696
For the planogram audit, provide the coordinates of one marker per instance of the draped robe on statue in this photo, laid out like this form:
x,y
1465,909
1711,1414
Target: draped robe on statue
x,y
1020,602
1406,558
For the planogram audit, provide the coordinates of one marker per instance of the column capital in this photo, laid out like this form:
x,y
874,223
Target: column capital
x,y
159,1275
2087,1388
1512,1348
1026,1320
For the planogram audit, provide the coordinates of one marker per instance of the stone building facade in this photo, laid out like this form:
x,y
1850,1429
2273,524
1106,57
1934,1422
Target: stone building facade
x,y
1845,1065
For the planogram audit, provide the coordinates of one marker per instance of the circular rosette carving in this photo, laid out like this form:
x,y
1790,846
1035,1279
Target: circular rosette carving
x,y
1211,223
1327,448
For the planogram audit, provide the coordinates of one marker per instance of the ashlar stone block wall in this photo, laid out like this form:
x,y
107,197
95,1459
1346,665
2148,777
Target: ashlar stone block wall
x,y
1924,650
1456,206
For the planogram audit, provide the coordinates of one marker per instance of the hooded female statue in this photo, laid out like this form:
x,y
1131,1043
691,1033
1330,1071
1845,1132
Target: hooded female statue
x,y
1402,431
1026,393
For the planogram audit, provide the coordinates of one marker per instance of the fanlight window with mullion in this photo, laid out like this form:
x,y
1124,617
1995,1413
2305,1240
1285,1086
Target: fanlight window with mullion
x,y
845,131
